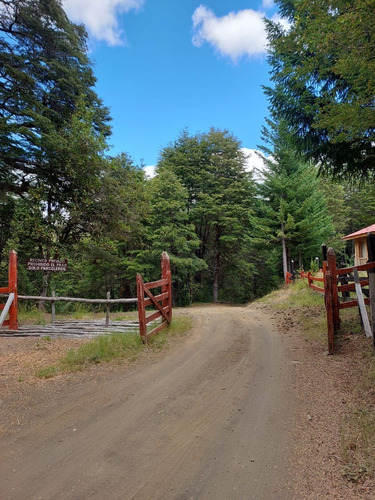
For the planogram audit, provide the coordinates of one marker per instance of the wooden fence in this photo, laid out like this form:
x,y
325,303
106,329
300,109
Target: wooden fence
x,y
337,283
162,302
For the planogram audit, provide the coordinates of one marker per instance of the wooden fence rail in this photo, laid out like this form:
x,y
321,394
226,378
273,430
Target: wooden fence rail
x,y
162,302
337,297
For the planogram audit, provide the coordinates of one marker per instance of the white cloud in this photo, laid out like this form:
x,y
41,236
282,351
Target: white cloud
x,y
150,171
235,35
101,17
255,163
268,4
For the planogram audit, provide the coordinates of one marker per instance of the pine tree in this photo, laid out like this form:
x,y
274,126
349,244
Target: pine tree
x,y
293,211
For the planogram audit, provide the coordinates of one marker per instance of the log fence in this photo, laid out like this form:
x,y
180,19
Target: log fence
x,y
162,302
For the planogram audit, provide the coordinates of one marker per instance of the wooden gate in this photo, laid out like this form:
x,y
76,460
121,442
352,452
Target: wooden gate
x,y
162,302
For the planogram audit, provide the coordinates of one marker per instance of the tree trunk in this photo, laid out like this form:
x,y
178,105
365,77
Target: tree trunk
x,y
285,257
216,267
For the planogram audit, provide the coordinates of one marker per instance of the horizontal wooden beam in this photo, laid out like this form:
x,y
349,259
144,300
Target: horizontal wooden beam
x,y
156,315
155,284
352,303
350,287
76,299
158,298
157,329
363,267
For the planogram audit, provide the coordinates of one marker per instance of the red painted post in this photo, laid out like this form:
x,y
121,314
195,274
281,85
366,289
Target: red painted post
x,y
309,279
12,283
329,311
166,274
324,270
141,309
331,263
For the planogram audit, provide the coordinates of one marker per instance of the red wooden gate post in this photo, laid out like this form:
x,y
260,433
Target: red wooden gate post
x,y
331,264
166,274
12,283
329,310
141,309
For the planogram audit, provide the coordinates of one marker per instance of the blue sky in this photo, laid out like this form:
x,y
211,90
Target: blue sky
x,y
166,65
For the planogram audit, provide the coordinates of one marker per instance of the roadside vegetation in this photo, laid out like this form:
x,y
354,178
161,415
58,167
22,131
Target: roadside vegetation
x,y
114,347
303,310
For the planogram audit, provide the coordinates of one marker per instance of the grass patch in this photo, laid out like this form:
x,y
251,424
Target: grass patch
x,y
32,316
113,347
178,328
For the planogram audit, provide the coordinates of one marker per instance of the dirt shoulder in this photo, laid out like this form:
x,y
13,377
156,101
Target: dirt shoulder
x,y
328,393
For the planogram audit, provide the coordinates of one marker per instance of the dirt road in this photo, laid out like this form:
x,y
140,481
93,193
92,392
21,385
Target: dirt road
x,y
209,419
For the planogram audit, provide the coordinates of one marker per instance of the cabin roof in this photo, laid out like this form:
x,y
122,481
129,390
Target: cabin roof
x,y
361,233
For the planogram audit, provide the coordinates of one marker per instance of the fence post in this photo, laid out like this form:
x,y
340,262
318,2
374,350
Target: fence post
x,y
332,269
329,311
309,280
12,283
371,276
107,310
141,309
53,308
166,274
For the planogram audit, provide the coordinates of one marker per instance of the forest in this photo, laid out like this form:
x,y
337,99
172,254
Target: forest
x,y
230,233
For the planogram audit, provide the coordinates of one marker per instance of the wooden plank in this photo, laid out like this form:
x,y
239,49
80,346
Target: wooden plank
x,y
155,284
361,304
321,280
363,267
156,304
159,298
317,288
353,303
350,287
4,289
157,329
156,315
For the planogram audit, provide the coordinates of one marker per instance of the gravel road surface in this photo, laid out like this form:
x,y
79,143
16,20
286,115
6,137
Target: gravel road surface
x,y
208,419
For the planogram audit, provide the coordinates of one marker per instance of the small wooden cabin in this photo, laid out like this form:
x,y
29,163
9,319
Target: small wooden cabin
x,y
360,245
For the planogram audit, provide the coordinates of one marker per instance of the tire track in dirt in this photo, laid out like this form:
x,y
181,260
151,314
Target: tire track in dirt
x,y
208,420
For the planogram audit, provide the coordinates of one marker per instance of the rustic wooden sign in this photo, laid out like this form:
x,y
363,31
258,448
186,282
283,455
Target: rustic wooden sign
x,y
47,265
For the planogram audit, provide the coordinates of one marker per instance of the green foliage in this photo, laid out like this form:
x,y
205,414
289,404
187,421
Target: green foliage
x,y
292,210
324,85
219,204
